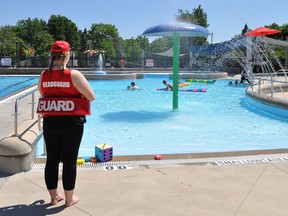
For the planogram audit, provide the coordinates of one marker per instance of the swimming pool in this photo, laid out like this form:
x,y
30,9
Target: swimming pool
x,y
12,84
142,122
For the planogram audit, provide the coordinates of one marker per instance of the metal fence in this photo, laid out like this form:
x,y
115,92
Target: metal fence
x,y
86,62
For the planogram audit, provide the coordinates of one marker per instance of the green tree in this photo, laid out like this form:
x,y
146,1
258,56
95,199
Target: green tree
x,y
157,46
84,37
26,29
198,17
8,40
245,29
42,43
277,27
80,53
133,49
34,34
102,37
119,47
283,35
284,32
143,42
61,28
160,45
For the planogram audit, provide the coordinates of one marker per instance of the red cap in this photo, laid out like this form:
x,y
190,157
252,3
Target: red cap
x,y
60,46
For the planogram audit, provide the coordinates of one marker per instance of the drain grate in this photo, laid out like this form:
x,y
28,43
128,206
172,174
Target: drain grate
x,y
252,161
120,165
126,163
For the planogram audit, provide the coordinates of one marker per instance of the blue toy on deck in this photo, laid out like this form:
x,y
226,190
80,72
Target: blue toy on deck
x,y
104,152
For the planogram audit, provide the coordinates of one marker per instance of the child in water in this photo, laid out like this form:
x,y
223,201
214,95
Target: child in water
x,y
168,85
132,86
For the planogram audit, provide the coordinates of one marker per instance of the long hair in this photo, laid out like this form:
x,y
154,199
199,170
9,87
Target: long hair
x,y
57,56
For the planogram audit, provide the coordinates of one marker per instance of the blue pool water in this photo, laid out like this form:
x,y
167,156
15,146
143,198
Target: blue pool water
x,y
142,121
13,84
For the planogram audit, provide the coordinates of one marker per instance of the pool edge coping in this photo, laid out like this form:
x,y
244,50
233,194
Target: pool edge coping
x,y
191,155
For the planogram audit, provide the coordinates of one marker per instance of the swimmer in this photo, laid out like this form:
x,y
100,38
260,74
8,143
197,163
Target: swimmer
x,y
168,85
132,86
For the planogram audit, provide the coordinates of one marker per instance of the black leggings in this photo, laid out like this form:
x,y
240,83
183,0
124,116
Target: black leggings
x,y
62,137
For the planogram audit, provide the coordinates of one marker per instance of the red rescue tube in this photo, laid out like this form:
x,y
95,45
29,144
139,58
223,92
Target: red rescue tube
x,y
64,106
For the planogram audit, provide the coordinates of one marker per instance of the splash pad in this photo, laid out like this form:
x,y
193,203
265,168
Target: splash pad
x,y
176,29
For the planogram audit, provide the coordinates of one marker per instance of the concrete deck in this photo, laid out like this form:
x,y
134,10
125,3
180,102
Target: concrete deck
x,y
7,108
254,184
196,188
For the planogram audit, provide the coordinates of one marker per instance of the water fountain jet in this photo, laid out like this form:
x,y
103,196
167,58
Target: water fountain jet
x,y
100,64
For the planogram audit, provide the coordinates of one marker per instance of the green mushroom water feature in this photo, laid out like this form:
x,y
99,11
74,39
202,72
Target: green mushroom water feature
x,y
176,29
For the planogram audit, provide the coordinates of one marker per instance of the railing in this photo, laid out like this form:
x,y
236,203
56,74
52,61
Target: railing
x,y
31,92
270,80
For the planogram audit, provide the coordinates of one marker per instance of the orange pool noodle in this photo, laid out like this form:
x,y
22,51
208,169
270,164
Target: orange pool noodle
x,y
93,159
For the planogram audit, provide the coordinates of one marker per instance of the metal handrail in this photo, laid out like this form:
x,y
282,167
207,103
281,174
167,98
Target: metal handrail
x,y
274,74
39,122
271,87
16,107
271,81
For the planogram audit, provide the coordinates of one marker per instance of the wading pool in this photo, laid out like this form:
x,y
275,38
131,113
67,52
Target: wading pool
x,y
141,122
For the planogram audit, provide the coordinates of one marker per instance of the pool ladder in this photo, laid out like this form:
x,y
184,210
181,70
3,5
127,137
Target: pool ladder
x,y
16,109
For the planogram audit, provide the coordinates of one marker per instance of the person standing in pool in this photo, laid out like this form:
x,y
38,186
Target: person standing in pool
x,y
244,77
64,103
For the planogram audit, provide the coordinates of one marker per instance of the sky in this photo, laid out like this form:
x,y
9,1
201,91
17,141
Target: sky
x,y
226,18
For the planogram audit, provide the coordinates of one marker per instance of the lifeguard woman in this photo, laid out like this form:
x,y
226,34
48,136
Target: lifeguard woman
x,y
64,104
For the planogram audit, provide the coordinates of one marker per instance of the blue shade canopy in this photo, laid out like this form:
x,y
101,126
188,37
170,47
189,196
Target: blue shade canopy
x,y
184,29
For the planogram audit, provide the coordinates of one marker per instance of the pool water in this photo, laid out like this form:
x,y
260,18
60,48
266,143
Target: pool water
x,y
140,122
12,84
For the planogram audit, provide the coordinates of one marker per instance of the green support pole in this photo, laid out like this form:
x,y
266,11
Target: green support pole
x,y
175,69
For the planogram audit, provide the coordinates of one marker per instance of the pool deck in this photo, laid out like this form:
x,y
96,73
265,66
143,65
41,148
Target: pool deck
x,y
7,108
252,183
195,188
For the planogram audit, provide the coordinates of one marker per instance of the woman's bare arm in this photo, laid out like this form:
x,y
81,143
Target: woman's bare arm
x,y
39,84
82,85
